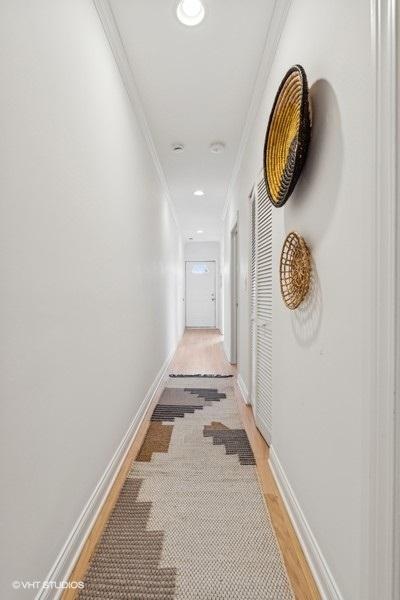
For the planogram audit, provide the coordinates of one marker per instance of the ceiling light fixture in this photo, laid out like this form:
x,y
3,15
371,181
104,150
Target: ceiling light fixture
x,y
178,147
200,231
217,147
190,12
198,193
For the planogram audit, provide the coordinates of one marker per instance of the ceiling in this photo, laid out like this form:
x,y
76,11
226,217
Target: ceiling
x,y
196,85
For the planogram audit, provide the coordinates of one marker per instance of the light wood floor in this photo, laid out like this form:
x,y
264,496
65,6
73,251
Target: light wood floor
x,y
200,351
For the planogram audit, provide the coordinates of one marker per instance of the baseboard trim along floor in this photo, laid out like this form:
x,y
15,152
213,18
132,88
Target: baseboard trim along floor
x,y
243,389
318,565
73,547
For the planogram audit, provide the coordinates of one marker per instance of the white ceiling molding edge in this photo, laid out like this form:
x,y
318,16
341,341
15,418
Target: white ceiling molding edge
x,y
114,38
280,12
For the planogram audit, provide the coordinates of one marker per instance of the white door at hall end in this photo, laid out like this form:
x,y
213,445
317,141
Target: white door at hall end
x,y
200,294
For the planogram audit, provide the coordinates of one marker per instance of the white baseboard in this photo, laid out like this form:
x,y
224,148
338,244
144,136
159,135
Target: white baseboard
x,y
319,567
243,389
225,349
69,554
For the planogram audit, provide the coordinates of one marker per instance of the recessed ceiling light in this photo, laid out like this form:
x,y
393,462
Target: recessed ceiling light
x,y
217,147
200,231
190,12
198,193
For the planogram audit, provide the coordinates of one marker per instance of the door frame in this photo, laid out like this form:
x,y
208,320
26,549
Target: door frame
x,y
216,294
383,548
252,315
234,277
260,325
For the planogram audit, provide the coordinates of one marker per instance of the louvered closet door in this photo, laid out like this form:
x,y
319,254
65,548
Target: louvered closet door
x,y
252,302
263,312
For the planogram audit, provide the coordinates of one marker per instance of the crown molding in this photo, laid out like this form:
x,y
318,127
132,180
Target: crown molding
x,y
279,14
118,49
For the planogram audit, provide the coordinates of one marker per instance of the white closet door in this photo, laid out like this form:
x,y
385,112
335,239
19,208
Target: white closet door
x,y
253,298
262,334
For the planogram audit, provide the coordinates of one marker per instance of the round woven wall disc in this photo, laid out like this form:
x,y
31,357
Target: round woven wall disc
x,y
295,270
288,136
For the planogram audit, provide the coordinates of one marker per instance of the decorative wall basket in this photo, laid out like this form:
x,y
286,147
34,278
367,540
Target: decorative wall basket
x,y
295,270
288,136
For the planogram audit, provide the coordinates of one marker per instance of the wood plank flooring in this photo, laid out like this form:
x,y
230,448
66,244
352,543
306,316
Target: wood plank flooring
x,y
200,351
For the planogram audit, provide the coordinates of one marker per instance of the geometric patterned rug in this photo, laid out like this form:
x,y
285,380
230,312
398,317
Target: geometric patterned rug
x,y
190,522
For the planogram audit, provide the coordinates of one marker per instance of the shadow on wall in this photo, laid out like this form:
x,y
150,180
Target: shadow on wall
x,y
311,208
306,319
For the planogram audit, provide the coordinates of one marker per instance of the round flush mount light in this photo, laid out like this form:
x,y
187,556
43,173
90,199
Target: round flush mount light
x,y
198,193
217,147
199,231
190,12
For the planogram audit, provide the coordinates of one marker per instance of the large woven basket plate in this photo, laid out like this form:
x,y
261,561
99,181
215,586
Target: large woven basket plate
x,y
288,136
295,270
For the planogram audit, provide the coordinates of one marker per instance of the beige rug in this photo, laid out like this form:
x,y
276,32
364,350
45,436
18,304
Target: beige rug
x,y
191,522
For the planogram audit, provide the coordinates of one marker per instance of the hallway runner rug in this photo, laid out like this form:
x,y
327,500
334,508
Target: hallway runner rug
x,y
190,522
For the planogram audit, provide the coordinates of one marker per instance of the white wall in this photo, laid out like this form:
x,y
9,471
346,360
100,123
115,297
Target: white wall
x,y
321,353
208,251
91,273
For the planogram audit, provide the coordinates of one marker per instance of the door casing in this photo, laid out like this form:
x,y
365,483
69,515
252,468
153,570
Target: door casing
x,y
234,292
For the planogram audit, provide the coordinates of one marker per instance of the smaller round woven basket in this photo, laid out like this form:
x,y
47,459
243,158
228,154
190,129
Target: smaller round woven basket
x,y
288,136
295,270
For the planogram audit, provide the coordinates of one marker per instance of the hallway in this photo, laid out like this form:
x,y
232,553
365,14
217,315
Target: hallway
x,y
199,352
199,306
